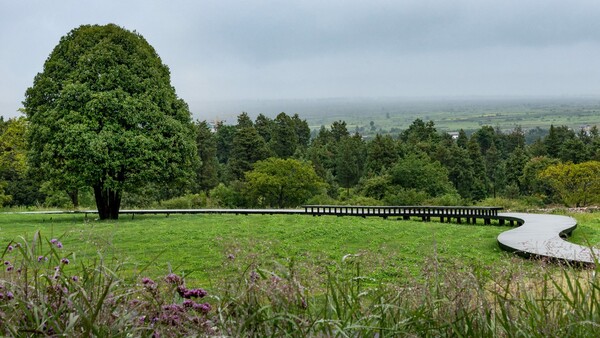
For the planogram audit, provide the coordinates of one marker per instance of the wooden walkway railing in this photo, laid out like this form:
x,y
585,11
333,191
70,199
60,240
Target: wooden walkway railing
x,y
426,213
444,213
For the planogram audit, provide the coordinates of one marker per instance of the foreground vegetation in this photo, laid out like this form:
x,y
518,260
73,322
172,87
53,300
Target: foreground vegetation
x,y
283,275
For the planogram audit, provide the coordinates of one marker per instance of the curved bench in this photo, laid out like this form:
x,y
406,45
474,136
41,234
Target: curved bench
x,y
540,236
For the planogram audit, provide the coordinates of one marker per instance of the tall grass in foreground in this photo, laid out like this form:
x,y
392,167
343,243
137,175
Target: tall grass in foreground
x,y
42,294
449,301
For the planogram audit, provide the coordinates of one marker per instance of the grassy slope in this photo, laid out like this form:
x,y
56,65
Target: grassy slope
x,y
199,244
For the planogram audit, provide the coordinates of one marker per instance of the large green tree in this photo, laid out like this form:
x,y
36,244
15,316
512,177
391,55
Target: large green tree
x,y
207,172
12,155
282,182
17,186
577,184
302,131
103,114
264,126
479,186
515,163
419,172
532,183
350,160
420,136
284,137
459,166
382,153
247,147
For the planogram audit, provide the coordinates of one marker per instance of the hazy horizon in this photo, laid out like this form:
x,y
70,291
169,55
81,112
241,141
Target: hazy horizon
x,y
228,110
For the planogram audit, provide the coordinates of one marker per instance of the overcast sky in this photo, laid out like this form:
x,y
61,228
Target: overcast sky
x,y
233,50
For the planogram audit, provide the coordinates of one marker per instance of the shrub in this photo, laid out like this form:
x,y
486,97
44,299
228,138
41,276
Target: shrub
x,y
450,199
190,201
506,203
362,200
321,199
406,197
223,196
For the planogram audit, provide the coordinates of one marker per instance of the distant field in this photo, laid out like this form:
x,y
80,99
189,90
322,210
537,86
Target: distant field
x,y
199,245
471,115
389,114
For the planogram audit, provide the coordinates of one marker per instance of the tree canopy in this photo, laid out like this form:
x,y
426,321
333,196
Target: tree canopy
x,y
103,114
282,182
577,184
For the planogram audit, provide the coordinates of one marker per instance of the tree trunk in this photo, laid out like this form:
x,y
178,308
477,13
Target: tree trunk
x,y
74,196
108,202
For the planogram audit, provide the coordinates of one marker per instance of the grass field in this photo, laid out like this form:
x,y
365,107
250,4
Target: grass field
x,y
202,247
296,276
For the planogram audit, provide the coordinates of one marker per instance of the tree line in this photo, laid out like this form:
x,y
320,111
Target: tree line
x,y
279,163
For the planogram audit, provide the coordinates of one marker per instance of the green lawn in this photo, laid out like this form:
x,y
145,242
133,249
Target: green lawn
x,y
202,247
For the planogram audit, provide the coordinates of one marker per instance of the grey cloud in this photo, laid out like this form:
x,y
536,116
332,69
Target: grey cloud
x,y
279,31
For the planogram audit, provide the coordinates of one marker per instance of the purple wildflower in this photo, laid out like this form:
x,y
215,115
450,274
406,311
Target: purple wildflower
x,y
173,279
65,261
200,293
42,258
10,296
193,293
9,268
231,257
189,303
181,290
75,279
147,281
173,307
59,245
54,241
10,248
6,263
204,308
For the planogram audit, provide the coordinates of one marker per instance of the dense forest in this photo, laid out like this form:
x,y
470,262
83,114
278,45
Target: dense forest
x,y
280,162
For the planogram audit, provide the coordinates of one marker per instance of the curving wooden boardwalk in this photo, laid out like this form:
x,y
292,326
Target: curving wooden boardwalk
x,y
540,236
